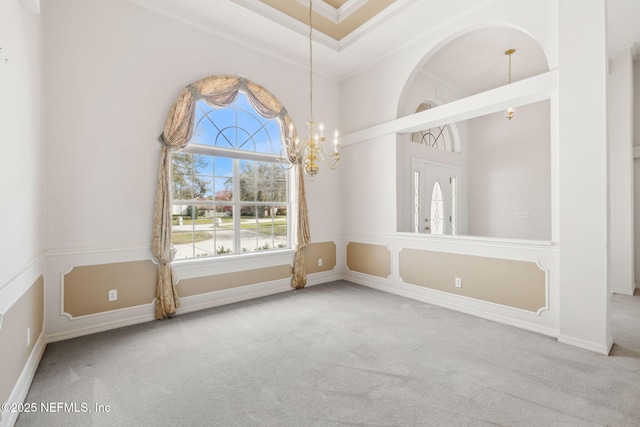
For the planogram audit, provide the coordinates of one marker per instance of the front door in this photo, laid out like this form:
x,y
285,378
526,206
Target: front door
x,y
434,190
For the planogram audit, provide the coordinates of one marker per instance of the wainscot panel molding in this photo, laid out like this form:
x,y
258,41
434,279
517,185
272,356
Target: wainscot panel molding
x,y
63,265
541,256
15,287
374,260
60,262
96,255
219,282
85,289
517,284
325,251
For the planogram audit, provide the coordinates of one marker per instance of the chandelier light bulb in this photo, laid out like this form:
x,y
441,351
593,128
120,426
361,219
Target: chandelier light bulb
x,y
509,113
313,147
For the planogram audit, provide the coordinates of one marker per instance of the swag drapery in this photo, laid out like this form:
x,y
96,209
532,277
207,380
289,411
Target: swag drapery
x,y
220,91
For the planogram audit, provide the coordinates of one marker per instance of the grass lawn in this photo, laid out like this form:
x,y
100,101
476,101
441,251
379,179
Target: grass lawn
x,y
182,238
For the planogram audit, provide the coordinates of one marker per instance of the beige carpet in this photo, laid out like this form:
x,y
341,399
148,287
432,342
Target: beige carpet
x,y
334,355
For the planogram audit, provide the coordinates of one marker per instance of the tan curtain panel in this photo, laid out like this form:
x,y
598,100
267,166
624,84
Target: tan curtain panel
x,y
177,131
299,278
294,154
218,91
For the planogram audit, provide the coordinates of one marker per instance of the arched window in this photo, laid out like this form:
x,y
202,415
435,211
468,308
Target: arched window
x,y
438,137
231,185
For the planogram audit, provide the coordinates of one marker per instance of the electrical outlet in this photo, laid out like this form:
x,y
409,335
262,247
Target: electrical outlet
x,y
28,337
319,262
113,295
458,282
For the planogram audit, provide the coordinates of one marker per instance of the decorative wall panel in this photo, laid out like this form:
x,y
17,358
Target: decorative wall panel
x,y
374,260
516,284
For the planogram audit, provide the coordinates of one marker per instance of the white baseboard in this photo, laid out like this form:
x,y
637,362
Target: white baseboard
x,y
145,313
623,291
230,296
20,390
324,277
101,327
423,295
244,293
587,345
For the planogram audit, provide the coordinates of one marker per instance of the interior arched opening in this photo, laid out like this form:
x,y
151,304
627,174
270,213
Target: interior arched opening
x,y
499,167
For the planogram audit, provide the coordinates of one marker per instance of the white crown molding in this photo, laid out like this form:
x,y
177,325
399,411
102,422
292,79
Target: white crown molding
x,y
319,37
322,9
287,22
373,23
349,7
335,15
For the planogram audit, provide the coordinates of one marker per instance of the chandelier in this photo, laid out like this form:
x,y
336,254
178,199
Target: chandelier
x,y
313,148
510,111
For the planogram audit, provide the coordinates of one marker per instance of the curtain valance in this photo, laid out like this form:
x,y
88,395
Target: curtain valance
x,y
219,91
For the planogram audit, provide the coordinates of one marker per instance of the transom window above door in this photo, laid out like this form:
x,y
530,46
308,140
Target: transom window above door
x,y
438,137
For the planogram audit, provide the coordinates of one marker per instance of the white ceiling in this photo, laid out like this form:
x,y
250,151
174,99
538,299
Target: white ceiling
x,y
403,23
481,54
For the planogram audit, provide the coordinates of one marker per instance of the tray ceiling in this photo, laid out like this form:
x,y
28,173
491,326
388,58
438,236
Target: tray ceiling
x,y
335,18
351,35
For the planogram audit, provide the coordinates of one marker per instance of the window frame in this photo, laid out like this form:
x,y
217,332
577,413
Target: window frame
x,y
237,155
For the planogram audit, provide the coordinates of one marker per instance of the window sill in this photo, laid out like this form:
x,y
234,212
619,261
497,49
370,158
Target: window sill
x,y
188,268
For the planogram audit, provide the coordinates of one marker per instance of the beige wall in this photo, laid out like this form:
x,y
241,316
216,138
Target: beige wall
x,y
325,251
27,312
515,284
219,282
509,172
86,288
374,260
